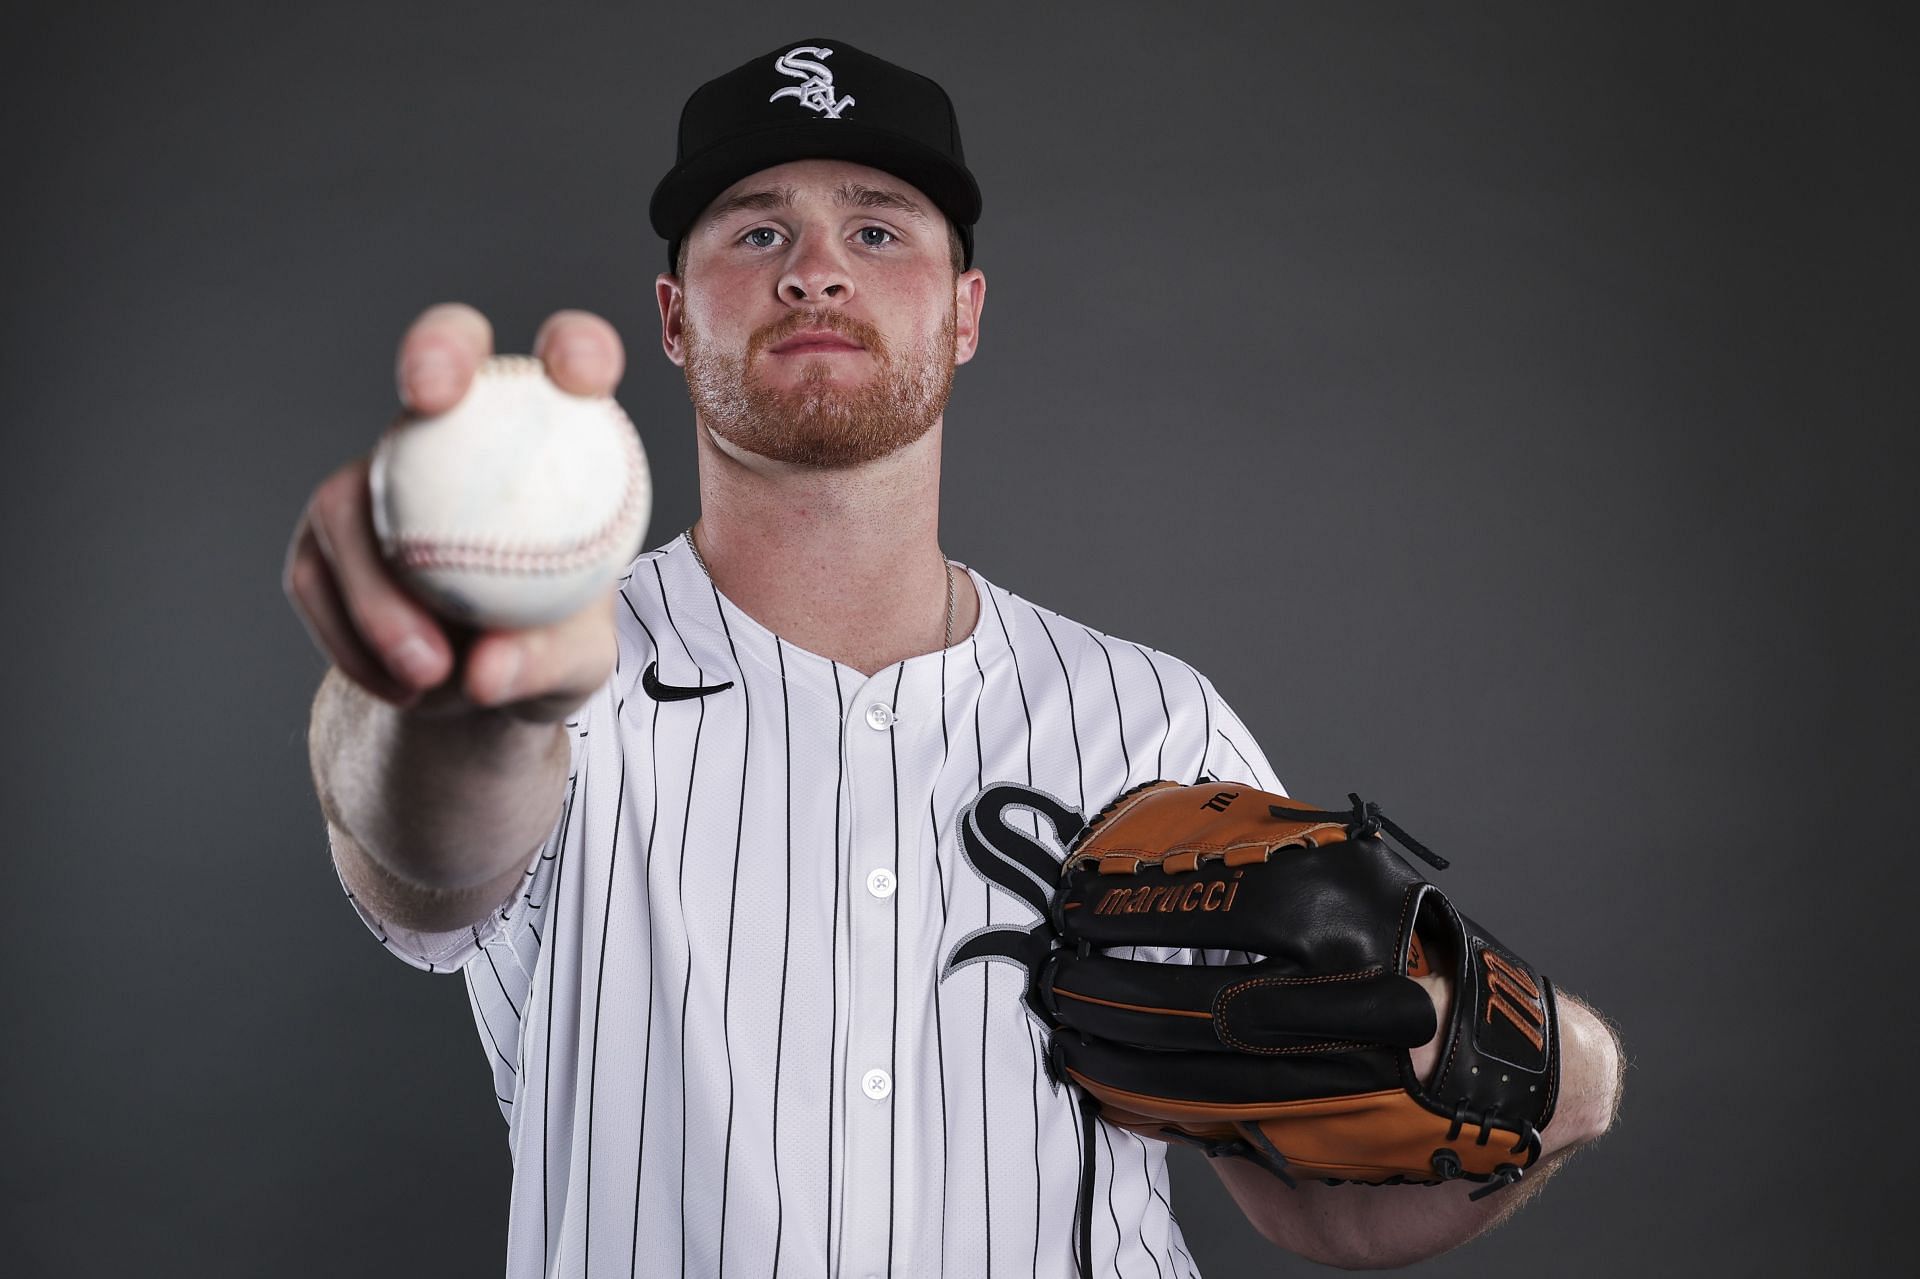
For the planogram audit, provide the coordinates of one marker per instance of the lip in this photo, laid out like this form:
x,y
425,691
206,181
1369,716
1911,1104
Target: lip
x,y
815,342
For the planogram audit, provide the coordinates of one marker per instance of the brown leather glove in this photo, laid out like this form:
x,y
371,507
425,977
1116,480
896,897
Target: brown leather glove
x,y
1299,1060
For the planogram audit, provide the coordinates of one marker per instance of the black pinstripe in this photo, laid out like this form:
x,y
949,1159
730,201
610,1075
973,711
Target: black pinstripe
x,y
1119,715
481,1014
503,989
786,949
1033,1040
599,989
546,1092
836,1066
653,954
1192,1273
1206,710
939,1019
1160,758
686,981
893,1038
733,915
1073,716
986,984
986,988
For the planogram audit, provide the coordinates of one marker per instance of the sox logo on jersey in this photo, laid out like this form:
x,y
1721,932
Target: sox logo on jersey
x,y
1022,867
731,1018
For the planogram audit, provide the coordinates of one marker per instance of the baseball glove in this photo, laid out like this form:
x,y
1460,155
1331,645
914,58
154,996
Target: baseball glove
x,y
1300,1060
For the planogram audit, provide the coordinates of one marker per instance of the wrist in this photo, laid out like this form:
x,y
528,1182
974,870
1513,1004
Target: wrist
x,y
1591,1071
441,800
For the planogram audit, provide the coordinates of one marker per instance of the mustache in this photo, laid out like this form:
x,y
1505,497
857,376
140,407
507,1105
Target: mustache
x,y
801,321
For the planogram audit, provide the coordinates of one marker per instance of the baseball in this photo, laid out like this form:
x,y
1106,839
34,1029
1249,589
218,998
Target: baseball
x,y
517,506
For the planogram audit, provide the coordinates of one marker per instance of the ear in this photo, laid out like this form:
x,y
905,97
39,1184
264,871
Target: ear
x,y
969,296
673,314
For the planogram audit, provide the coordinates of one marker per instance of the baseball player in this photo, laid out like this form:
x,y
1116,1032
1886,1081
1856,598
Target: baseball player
x,y
706,857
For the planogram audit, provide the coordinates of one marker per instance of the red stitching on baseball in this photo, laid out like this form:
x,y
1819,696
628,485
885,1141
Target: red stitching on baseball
x,y
423,551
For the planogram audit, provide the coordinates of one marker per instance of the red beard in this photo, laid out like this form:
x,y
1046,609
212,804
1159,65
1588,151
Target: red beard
x,y
821,422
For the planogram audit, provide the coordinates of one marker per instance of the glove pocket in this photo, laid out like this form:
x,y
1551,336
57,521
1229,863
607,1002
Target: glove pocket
x,y
1278,1013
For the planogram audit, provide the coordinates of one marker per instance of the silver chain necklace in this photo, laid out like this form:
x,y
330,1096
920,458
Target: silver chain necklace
x,y
945,568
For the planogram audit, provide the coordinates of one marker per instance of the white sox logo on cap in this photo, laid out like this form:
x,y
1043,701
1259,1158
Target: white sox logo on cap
x,y
816,89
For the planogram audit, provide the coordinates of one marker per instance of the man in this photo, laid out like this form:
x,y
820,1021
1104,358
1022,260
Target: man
x,y
696,850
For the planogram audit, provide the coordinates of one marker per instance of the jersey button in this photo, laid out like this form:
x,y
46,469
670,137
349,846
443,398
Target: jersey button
x,y
877,1084
880,716
881,883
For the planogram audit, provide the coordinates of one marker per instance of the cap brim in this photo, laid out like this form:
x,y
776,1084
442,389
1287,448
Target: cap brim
x,y
684,194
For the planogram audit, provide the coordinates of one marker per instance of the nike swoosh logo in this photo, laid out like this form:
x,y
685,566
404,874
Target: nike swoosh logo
x,y
650,680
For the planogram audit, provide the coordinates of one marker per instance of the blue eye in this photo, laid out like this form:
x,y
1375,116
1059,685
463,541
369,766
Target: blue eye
x,y
867,234
752,237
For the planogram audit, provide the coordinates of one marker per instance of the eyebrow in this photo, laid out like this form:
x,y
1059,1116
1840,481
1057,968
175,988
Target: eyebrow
x,y
850,195
854,195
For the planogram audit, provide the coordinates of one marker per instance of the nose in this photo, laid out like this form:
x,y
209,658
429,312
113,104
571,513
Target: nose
x,y
815,274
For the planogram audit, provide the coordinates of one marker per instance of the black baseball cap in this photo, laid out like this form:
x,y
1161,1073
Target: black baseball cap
x,y
819,98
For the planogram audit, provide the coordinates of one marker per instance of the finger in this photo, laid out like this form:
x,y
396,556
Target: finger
x,y
582,352
1194,909
398,629
316,599
438,355
543,673
1161,1006
1427,1056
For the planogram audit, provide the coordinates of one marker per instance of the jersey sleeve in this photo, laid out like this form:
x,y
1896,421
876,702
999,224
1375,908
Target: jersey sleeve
x,y
1227,752
449,951
1232,755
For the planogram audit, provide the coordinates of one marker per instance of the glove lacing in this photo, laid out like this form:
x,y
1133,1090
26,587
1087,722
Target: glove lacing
x,y
1363,820
1089,1117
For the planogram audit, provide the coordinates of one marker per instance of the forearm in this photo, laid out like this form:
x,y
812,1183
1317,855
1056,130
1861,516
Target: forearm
x,y
445,803
1365,1227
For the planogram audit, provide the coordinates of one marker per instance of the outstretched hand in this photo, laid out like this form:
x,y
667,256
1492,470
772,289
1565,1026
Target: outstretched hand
x,y
362,618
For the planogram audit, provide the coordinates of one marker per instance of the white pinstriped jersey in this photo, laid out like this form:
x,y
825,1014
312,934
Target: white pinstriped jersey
x,y
719,1015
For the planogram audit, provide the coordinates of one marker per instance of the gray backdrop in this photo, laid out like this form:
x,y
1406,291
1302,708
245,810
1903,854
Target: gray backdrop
x,y
1501,401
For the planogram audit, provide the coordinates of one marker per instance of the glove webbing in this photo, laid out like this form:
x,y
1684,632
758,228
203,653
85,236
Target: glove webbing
x,y
1362,820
